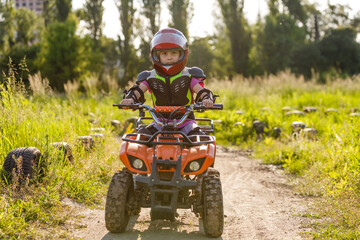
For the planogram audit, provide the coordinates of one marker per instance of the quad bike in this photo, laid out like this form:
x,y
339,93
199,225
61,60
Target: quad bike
x,y
167,171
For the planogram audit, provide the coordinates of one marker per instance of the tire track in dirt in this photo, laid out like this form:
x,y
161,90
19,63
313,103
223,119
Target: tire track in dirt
x,y
258,204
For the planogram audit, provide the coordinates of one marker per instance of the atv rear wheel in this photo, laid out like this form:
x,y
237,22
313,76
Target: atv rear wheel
x,y
120,190
24,160
213,211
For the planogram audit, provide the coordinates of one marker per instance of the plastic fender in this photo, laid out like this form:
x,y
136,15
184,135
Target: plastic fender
x,y
197,152
136,150
123,156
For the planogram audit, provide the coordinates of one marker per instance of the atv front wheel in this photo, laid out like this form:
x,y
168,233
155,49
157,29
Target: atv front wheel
x,y
120,190
213,211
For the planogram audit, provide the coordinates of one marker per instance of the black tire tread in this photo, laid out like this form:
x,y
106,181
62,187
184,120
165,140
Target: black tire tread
x,y
30,160
213,215
116,214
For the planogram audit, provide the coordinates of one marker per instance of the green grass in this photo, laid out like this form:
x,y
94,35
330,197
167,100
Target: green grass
x,y
35,209
326,168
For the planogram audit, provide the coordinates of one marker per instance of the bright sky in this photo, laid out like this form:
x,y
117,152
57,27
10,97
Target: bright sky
x,y
203,21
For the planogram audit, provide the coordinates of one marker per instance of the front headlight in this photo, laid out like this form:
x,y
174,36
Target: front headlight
x,y
138,163
194,166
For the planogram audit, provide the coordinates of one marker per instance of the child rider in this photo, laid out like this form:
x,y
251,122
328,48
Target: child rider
x,y
170,83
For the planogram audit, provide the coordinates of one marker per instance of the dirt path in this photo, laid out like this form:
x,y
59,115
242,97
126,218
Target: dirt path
x,y
258,204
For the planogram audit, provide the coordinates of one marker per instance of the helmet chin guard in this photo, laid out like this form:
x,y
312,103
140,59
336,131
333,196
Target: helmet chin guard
x,y
169,39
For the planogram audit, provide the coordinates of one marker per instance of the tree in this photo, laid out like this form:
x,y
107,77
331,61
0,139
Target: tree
x,y
49,11
273,7
151,10
201,54
7,27
308,58
63,8
93,14
17,54
27,26
109,48
255,67
336,16
63,54
181,13
355,22
340,49
146,30
239,35
296,10
127,11
280,37
222,64
313,22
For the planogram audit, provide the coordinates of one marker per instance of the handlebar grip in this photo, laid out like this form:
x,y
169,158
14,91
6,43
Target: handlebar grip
x,y
217,107
126,106
214,107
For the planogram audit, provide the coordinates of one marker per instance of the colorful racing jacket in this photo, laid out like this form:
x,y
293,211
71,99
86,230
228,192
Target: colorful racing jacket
x,y
172,90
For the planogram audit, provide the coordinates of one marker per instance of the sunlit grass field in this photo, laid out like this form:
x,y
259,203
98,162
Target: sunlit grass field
x,y
325,167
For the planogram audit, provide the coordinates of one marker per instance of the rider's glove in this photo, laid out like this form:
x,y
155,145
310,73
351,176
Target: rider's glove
x,y
131,94
204,94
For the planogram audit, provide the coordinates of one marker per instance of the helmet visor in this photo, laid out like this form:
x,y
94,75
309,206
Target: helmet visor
x,y
168,40
156,55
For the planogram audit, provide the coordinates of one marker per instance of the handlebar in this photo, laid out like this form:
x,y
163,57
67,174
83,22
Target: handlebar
x,y
169,109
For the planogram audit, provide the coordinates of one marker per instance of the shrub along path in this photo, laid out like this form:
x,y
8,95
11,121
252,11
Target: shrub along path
x,y
258,204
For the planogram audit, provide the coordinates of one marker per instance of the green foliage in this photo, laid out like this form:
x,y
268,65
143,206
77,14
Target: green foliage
x,y
93,15
238,33
63,54
340,49
327,165
152,11
49,12
294,35
127,53
308,58
336,16
296,9
7,27
37,121
144,61
280,37
63,9
146,30
27,26
109,48
17,55
181,14
201,54
222,64
93,56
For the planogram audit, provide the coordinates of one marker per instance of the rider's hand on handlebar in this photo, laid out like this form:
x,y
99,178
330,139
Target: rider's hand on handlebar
x,y
207,103
128,101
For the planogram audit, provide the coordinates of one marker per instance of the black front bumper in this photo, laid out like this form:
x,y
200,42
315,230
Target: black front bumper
x,y
164,193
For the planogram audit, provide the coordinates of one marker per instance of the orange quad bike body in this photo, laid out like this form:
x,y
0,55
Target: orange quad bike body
x,y
167,171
